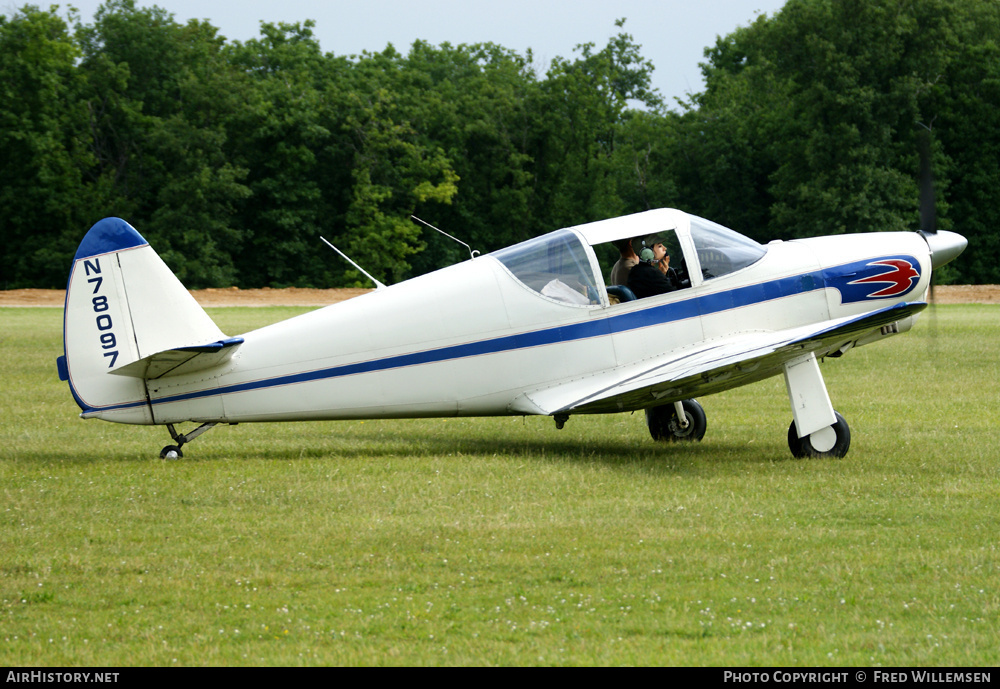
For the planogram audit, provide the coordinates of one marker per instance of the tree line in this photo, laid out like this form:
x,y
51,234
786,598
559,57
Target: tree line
x,y
233,158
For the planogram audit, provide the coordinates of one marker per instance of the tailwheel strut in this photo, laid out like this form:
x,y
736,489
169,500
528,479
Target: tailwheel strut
x,y
174,451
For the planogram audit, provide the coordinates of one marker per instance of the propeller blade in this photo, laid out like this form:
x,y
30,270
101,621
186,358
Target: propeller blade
x,y
928,213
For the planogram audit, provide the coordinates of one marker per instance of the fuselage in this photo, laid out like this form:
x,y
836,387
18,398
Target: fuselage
x,y
477,338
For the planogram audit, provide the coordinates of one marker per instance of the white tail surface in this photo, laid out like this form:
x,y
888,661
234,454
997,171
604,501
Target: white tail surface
x,y
123,304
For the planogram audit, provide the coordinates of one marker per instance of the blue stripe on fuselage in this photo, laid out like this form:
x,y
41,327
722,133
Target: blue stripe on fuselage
x,y
703,305
656,315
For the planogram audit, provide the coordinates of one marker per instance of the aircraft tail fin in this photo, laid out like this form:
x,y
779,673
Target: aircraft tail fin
x,y
123,305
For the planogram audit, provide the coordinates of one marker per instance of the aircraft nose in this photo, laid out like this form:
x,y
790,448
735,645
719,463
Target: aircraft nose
x,y
945,246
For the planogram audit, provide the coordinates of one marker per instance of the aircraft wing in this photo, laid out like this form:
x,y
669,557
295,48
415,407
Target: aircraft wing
x,y
174,362
706,368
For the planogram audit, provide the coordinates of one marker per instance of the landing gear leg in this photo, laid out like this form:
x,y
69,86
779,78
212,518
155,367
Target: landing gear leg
x,y
817,430
174,451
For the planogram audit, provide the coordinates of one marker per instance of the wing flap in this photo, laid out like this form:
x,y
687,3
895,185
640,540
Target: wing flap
x,y
705,368
181,360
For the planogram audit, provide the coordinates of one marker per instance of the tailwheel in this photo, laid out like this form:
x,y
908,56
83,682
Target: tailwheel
x,y
174,451
679,421
832,441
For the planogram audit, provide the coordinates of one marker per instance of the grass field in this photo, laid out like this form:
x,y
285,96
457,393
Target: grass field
x,y
505,541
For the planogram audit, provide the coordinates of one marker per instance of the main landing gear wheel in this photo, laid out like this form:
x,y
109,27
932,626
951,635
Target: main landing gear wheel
x,y
832,441
665,424
171,452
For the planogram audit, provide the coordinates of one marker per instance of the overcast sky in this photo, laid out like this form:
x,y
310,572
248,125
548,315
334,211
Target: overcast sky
x,y
673,33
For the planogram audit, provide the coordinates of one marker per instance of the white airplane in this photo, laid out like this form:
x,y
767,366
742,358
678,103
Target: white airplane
x,y
530,329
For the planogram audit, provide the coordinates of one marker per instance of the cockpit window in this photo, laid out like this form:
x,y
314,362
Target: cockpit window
x,y
722,251
555,265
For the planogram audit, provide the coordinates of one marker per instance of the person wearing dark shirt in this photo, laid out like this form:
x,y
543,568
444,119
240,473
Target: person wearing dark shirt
x,y
652,275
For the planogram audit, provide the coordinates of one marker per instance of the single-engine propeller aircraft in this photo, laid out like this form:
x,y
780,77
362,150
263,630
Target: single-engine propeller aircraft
x,y
530,329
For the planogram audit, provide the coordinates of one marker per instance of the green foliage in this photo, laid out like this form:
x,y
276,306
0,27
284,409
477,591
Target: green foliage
x,y
234,158
160,97
392,174
967,125
810,121
472,106
282,134
43,127
586,105
854,82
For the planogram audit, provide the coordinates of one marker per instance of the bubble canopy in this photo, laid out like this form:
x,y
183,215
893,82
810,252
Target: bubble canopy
x,y
557,265
563,266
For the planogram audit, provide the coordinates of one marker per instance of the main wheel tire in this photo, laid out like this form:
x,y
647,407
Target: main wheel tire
x,y
171,452
664,424
803,447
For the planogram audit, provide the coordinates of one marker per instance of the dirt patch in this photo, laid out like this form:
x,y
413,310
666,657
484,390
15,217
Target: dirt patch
x,y
297,296
292,296
967,294
232,296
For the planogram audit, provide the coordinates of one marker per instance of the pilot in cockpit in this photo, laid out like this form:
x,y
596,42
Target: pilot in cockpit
x,y
653,274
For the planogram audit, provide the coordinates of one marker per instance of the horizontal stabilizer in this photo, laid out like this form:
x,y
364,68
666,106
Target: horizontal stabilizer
x,y
181,360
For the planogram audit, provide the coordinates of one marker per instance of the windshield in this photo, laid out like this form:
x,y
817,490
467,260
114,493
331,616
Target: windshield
x,y
722,251
555,265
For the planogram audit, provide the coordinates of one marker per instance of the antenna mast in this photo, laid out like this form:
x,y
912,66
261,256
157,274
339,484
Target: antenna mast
x,y
472,254
378,285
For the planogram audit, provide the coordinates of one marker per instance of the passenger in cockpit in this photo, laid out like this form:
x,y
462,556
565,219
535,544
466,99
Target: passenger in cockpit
x,y
627,261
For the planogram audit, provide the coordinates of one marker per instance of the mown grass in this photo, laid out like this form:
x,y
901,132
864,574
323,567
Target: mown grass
x,y
505,541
